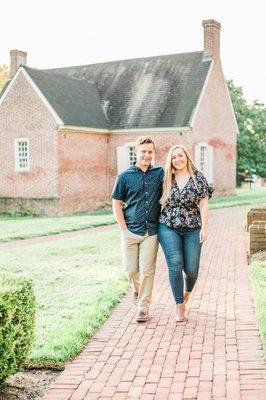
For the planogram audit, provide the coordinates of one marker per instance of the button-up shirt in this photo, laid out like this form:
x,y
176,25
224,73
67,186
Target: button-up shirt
x,y
140,192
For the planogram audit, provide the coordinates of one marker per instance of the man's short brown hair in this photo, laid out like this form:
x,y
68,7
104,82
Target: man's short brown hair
x,y
144,139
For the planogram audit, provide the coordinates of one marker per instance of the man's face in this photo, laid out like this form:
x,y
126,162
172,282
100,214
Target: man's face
x,y
144,154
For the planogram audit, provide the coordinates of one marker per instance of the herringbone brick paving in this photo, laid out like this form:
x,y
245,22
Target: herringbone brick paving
x,y
217,354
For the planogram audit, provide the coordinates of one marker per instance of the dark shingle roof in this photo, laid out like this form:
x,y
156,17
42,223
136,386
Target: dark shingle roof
x,y
5,87
152,92
160,91
75,101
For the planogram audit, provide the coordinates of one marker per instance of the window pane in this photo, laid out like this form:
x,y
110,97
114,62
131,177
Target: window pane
x,y
21,154
132,155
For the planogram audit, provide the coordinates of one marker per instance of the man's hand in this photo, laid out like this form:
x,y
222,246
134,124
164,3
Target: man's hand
x,y
119,215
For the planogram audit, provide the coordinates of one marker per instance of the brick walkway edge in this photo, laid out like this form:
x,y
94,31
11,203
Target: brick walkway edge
x,y
217,354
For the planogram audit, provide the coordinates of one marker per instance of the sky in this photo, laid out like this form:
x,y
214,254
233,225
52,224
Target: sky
x,y
58,33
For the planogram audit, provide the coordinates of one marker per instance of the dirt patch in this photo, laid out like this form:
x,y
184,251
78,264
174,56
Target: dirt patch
x,y
28,385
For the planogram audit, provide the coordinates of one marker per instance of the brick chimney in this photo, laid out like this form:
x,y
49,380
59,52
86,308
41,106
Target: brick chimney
x,y
17,58
211,38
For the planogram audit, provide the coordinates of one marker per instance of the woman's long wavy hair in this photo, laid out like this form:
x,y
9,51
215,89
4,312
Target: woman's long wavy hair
x,y
170,170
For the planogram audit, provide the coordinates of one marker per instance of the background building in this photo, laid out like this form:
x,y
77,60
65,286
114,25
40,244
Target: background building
x,y
66,133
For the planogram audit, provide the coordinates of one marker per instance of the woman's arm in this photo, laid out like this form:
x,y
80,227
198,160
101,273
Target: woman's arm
x,y
204,213
119,215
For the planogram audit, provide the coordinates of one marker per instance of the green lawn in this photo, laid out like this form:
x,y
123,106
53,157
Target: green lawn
x,y
77,282
12,228
242,197
257,272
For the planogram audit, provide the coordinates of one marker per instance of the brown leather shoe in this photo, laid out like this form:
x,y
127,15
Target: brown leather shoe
x,y
143,316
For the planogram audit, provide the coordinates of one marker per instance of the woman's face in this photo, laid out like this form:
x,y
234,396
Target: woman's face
x,y
179,159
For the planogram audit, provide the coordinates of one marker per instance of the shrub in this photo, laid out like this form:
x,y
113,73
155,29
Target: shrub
x,y
17,316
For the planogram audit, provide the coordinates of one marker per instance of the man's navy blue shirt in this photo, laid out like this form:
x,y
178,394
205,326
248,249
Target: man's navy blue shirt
x,y
140,192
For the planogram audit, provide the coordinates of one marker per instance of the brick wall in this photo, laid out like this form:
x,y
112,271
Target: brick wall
x,y
30,206
23,114
256,225
256,214
211,38
257,233
215,124
82,180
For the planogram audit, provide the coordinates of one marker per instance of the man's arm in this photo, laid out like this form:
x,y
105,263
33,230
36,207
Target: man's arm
x,y
119,215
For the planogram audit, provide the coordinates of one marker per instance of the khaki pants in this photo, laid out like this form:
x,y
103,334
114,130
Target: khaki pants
x,y
139,258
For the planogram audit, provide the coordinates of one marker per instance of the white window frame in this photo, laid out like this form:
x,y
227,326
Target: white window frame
x,y
208,170
131,146
18,156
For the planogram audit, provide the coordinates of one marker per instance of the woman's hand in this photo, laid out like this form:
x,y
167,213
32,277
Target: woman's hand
x,y
203,205
203,235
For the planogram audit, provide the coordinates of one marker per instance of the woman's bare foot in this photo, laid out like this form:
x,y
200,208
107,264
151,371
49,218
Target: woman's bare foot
x,y
186,297
180,312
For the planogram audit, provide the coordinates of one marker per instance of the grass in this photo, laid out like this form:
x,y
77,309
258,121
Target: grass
x,y
15,228
242,197
257,272
77,282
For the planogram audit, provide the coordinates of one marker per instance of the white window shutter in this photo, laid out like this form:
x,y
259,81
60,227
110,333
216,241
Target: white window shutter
x,y
197,155
210,164
122,156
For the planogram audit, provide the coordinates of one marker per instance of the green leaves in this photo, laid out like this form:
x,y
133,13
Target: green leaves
x,y
17,316
4,75
251,141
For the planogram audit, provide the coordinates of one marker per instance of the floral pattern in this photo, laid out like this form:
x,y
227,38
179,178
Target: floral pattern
x,y
182,209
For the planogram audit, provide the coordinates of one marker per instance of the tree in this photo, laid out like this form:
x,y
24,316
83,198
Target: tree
x,y
251,140
4,75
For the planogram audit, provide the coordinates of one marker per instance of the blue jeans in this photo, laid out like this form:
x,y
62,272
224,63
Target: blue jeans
x,y
182,250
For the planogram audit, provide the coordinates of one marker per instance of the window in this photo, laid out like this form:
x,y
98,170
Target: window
x,y
21,154
132,155
125,157
204,160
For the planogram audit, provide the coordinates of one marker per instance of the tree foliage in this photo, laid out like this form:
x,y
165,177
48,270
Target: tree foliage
x,y
4,75
251,140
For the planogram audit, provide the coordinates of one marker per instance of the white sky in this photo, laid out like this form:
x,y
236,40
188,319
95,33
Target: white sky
x,y
62,33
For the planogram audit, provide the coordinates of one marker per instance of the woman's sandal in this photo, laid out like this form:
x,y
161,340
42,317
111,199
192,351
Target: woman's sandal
x,y
180,314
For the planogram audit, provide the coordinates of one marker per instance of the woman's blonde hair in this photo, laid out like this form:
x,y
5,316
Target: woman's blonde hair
x,y
170,170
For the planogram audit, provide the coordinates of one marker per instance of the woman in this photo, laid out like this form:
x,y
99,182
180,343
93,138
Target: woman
x,y
183,223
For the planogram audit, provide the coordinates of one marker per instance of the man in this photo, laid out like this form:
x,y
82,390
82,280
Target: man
x,y
136,207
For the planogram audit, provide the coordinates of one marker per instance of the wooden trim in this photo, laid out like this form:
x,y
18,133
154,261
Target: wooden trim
x,y
151,130
70,128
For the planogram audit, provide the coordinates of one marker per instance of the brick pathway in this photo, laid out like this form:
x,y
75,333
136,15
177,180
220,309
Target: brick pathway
x,y
215,355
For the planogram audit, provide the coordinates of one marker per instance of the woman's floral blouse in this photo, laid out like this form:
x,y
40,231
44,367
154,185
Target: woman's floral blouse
x,y
182,208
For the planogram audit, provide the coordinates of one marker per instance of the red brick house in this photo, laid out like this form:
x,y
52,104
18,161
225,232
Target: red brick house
x,y
65,133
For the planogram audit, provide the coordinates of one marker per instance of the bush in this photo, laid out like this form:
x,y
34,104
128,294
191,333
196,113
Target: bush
x,y
17,316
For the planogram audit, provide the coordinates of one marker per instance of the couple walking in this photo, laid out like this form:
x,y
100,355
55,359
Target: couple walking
x,y
171,207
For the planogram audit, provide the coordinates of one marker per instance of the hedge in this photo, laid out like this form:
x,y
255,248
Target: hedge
x,y
17,317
